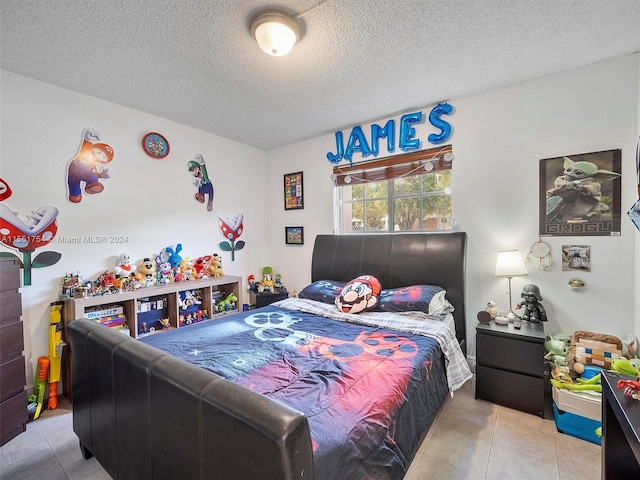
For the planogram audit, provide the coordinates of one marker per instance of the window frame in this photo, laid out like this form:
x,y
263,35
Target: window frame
x,y
390,169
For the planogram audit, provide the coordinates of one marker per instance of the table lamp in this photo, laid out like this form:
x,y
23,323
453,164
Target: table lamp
x,y
510,265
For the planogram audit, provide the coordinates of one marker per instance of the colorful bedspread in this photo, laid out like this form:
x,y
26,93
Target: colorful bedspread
x,y
369,392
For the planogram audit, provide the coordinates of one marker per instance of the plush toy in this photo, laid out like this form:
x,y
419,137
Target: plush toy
x,y
174,260
557,351
215,266
124,267
188,298
228,303
359,294
533,310
267,279
188,269
146,273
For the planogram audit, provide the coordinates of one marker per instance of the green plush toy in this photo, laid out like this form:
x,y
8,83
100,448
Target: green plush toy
x,y
557,351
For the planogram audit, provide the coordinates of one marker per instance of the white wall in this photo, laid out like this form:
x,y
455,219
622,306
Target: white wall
x,y
149,201
498,140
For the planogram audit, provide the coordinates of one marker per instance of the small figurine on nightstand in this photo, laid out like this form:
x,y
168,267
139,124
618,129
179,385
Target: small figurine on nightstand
x,y
278,283
533,310
492,309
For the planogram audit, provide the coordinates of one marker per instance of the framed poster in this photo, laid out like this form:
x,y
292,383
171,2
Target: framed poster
x,y
293,198
294,235
580,194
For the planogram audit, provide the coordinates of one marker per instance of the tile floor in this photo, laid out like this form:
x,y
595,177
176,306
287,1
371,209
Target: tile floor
x,y
469,439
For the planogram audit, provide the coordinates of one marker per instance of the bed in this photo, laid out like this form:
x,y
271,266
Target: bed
x,y
296,389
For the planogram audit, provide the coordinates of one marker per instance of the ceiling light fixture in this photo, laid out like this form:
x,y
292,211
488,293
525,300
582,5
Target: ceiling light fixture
x,y
275,32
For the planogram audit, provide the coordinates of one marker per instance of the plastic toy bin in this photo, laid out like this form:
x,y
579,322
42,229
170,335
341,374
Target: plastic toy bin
x,y
578,414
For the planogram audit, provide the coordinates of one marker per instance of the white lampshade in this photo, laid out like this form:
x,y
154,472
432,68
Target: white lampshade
x,y
275,32
510,264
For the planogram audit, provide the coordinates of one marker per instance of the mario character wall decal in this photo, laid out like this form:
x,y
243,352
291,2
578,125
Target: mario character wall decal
x,y
201,180
88,166
39,229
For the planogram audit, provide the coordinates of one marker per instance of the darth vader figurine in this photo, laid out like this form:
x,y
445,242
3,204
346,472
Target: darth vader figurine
x,y
533,310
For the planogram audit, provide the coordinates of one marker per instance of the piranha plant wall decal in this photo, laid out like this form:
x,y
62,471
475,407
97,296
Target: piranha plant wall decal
x,y
36,231
231,229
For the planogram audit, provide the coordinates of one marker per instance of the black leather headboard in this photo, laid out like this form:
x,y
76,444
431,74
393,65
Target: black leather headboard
x,y
398,260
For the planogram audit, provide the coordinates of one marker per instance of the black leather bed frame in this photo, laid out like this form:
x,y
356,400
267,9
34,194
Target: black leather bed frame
x,y
145,414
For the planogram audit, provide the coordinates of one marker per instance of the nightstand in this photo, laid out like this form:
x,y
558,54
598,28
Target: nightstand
x,y
510,367
266,298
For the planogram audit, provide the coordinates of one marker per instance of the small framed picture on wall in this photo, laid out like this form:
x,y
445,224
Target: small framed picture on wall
x,y
293,197
294,235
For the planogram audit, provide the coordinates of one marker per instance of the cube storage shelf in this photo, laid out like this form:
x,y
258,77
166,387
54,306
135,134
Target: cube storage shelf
x,y
158,308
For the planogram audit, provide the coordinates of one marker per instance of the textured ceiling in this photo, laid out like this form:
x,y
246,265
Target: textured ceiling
x,y
195,62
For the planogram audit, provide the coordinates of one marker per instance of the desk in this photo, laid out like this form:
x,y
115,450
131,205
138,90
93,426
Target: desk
x,y
620,430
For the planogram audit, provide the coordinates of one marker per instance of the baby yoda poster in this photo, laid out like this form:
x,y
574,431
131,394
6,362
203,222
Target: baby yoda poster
x,y
580,194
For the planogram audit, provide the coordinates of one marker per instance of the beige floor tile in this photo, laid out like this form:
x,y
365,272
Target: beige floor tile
x,y
431,468
577,458
463,439
528,420
521,453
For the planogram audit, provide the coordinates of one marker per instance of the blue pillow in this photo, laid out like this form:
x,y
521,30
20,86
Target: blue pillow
x,y
324,291
413,298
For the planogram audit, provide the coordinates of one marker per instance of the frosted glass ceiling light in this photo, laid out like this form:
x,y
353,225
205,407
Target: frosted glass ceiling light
x,y
275,32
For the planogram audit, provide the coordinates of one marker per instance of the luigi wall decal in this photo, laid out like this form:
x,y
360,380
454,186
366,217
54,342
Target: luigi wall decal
x,y
88,166
201,180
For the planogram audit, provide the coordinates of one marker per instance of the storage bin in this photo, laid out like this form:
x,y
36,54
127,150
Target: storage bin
x,y
576,425
584,404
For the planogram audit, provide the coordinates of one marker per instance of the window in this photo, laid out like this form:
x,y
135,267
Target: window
x,y
409,192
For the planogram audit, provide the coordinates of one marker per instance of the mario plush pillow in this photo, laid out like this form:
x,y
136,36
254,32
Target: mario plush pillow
x,y
359,294
325,291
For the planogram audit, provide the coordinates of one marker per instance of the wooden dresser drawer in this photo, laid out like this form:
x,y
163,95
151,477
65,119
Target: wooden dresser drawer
x,y
13,377
11,310
9,275
11,341
520,356
512,390
13,417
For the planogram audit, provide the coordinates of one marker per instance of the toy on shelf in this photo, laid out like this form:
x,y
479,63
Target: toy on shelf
x,y
251,283
267,283
533,310
174,260
278,283
215,267
124,267
188,269
228,304
188,298
165,273
146,273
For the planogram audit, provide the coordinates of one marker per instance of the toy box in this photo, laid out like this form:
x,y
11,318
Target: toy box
x,y
578,414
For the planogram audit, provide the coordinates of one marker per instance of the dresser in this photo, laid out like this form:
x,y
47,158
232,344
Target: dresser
x,y
266,298
13,396
510,367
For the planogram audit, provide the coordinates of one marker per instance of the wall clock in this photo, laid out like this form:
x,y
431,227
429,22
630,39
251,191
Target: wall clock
x,y
155,145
